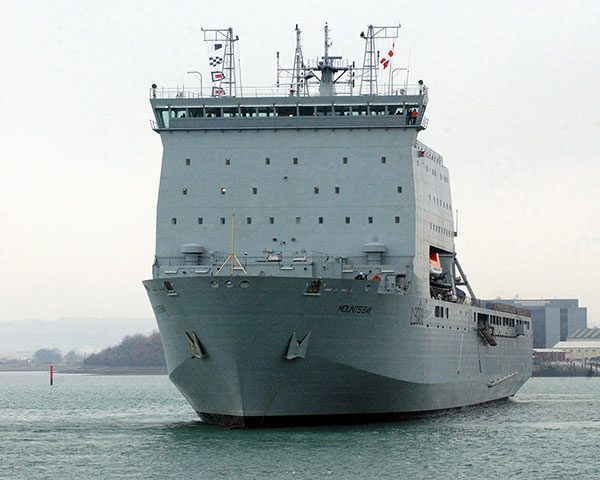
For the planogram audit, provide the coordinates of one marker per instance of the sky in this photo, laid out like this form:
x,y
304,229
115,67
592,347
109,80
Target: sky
x,y
514,98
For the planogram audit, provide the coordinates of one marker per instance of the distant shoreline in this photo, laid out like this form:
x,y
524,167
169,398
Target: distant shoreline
x,y
66,368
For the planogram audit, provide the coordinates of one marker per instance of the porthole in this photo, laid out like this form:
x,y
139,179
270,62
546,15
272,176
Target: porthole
x,y
244,284
214,284
229,283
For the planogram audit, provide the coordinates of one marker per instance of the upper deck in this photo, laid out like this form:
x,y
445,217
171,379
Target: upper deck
x,y
263,107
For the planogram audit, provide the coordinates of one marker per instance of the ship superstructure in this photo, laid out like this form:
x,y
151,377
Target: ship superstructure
x,y
305,265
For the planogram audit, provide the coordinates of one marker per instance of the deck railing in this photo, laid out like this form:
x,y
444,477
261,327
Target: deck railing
x,y
282,91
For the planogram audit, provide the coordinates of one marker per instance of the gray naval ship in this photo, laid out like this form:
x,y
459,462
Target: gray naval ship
x,y
305,267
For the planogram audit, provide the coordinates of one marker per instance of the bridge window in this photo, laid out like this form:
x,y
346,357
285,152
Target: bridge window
x,y
397,219
345,160
265,111
267,161
324,110
320,219
337,189
286,111
230,112
342,110
359,110
200,220
316,190
184,191
254,190
306,111
222,220
187,162
213,111
395,110
223,190
227,161
298,220
399,189
377,110
383,160
248,220
347,219
173,221
271,220
370,219
248,111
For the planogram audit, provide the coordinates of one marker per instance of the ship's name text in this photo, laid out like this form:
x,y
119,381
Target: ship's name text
x,y
354,309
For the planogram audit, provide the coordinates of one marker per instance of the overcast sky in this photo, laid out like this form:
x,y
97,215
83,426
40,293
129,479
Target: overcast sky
x,y
514,105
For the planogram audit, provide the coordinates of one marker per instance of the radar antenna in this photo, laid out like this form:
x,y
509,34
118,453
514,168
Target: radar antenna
x,y
368,80
321,72
224,85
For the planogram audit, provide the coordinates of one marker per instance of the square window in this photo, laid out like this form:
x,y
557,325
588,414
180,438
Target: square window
x,y
184,191
254,190
383,159
267,161
271,220
397,219
316,190
345,160
222,220
200,220
295,160
248,220
227,161
320,219
173,221
187,161
370,219
347,219
337,189
399,189
298,220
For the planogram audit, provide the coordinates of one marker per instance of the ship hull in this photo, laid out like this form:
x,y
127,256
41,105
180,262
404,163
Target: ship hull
x,y
238,355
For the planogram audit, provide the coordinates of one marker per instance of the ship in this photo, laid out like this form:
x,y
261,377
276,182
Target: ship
x,y
305,268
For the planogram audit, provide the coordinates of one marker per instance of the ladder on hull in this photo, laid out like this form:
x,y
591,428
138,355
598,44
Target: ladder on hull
x,y
488,337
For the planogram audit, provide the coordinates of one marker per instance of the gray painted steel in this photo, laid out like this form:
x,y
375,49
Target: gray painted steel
x,y
330,189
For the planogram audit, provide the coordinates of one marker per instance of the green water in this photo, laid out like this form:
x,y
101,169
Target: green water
x,y
140,427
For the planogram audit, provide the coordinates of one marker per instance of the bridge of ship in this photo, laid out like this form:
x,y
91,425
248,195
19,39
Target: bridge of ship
x,y
188,110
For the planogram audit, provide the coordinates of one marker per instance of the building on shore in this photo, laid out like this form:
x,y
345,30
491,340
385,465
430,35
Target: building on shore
x,y
582,346
553,320
543,356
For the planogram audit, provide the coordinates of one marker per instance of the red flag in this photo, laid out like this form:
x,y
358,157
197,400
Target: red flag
x,y
385,61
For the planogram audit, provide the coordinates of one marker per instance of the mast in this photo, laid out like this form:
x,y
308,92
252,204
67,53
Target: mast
x,y
370,70
299,70
225,84
368,80
326,67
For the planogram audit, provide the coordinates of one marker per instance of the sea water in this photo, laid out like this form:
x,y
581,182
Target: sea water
x,y
100,427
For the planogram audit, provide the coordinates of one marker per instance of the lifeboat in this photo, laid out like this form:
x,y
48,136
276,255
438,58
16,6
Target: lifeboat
x,y
435,267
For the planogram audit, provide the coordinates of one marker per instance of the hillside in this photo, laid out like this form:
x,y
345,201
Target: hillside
x,y
133,351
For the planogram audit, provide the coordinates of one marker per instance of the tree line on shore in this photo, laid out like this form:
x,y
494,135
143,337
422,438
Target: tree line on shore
x,y
134,351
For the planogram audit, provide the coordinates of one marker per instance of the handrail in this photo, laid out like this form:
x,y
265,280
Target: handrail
x,y
282,91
